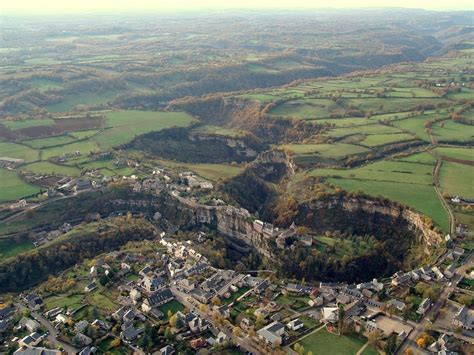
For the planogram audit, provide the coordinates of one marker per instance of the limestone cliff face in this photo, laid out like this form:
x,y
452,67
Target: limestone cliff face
x,y
228,220
273,165
374,215
399,226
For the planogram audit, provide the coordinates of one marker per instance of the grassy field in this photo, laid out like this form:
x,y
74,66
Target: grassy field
x,y
18,151
123,126
322,342
10,248
374,140
405,172
49,141
84,134
369,129
409,183
102,302
83,98
457,179
333,151
218,131
453,132
457,153
45,84
84,147
45,167
173,306
212,172
15,125
423,158
14,188
422,198
73,301
307,108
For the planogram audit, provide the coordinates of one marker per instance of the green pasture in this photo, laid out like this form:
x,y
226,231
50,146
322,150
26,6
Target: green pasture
x,y
84,147
45,167
84,134
457,179
72,301
20,124
343,122
453,131
71,101
422,198
18,151
423,158
322,342
10,248
45,84
13,188
332,151
461,153
123,126
374,140
218,131
389,171
213,172
307,108
388,105
369,129
49,141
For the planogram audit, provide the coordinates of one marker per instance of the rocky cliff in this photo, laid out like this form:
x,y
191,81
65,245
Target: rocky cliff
x,y
399,227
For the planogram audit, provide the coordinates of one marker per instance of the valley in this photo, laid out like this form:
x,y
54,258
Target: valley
x,y
238,183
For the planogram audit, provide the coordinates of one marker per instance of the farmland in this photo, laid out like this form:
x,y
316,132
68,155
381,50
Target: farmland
x,y
457,179
119,128
13,187
408,181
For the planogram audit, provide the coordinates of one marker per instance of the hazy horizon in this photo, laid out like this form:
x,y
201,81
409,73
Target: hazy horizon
x,y
31,7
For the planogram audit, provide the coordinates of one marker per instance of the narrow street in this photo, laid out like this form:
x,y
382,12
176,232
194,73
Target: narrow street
x,y
53,333
245,343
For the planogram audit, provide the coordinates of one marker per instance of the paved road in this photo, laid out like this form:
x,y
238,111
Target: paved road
x,y
53,334
440,195
244,343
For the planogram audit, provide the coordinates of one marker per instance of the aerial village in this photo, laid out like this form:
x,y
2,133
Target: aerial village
x,y
170,300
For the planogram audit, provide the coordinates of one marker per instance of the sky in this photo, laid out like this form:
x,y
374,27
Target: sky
x,y
77,6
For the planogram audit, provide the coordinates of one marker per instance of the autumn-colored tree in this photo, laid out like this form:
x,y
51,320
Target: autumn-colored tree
x,y
173,320
421,342
216,301
115,343
237,331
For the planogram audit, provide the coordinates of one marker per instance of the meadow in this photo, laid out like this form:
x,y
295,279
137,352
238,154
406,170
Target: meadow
x,y
457,179
213,172
331,151
47,168
13,187
18,151
120,128
408,182
15,125
322,342
461,153
123,126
